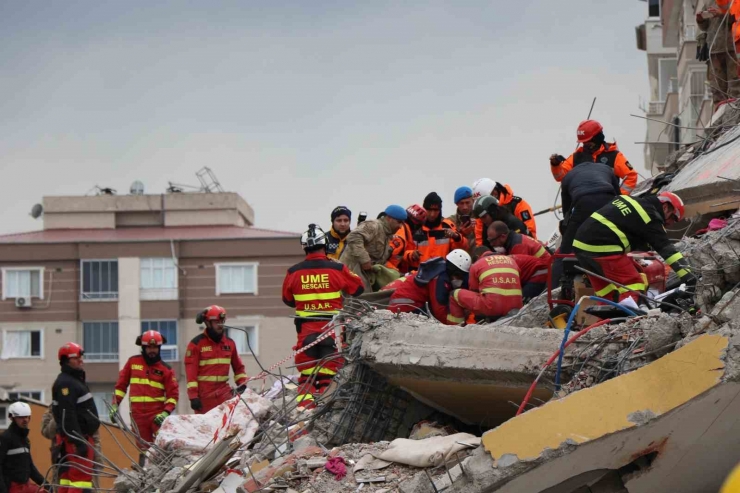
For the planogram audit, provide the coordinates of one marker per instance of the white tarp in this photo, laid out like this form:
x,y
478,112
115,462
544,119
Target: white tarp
x,y
429,452
197,433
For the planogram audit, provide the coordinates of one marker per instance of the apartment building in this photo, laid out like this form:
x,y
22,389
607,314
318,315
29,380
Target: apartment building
x,y
680,103
106,268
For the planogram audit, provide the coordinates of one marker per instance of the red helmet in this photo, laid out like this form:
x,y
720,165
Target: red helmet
x,y
417,213
587,130
71,350
150,338
214,312
675,201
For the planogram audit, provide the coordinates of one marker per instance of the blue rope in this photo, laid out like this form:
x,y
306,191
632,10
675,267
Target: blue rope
x,y
570,322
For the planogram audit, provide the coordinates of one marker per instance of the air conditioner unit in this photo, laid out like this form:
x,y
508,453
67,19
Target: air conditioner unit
x,y
23,302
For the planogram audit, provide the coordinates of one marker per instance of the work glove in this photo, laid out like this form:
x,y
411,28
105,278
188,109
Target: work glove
x,y
556,160
690,280
81,448
113,413
195,404
239,389
159,418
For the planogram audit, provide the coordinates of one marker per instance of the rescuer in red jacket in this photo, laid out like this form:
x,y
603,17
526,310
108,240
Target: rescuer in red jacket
x,y
532,274
500,236
314,288
154,389
432,284
208,359
495,289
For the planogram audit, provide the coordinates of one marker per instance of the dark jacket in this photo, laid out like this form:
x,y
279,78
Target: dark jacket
x,y
16,464
73,405
588,179
628,224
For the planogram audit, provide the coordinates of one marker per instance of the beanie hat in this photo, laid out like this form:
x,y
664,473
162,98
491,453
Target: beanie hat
x,y
432,199
340,210
396,212
463,193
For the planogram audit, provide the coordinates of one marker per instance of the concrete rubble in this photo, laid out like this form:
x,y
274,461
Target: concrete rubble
x,y
640,400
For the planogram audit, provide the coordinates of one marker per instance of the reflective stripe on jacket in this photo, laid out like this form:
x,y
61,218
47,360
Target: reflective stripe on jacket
x,y
626,224
607,154
207,365
152,388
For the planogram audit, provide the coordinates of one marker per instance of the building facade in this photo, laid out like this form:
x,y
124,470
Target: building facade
x,y
106,268
680,104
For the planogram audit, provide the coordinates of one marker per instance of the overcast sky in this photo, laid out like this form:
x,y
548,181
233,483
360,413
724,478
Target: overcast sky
x,y
302,106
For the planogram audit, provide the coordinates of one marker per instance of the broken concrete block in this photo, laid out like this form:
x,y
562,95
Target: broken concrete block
x,y
728,308
131,481
170,479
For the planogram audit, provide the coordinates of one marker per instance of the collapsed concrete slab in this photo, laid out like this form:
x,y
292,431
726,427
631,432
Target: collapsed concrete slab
x,y
473,373
668,426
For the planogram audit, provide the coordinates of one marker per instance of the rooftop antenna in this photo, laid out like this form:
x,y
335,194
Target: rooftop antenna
x,y
37,210
208,180
137,188
105,190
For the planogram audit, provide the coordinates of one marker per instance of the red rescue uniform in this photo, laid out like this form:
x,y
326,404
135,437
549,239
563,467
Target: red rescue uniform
x,y
411,296
517,244
207,365
519,207
532,274
607,154
495,289
314,288
153,389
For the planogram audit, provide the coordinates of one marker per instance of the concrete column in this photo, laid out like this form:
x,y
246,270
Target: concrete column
x,y
129,314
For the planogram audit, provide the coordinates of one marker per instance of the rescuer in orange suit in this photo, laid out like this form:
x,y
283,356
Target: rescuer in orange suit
x,y
594,149
517,206
437,236
208,358
404,254
154,389
314,288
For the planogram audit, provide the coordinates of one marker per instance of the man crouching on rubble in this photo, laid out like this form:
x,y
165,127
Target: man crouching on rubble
x,y
495,288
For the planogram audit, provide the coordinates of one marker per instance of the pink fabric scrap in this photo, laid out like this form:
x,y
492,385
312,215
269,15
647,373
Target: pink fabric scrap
x,y
716,224
336,466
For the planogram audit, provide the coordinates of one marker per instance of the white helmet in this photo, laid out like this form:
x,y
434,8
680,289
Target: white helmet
x,y
483,187
460,259
314,237
19,410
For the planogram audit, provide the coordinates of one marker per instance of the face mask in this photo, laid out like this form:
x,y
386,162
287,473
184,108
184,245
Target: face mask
x,y
456,283
499,250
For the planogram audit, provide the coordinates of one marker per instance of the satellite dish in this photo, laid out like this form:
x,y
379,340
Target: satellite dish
x,y
37,210
137,188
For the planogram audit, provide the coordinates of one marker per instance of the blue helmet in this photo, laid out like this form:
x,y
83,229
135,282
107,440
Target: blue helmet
x,y
396,212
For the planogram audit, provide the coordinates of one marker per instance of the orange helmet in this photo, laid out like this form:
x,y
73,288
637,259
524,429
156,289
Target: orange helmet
x,y
587,130
150,338
675,201
71,350
417,213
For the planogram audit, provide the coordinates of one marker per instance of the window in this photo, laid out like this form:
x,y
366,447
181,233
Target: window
x,y
168,328
158,279
240,338
23,281
99,280
100,340
103,400
667,73
37,395
22,344
653,8
4,416
236,278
